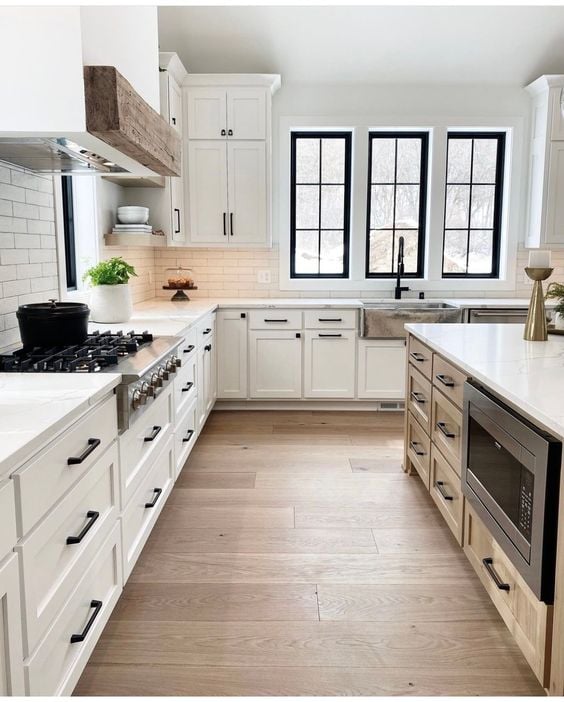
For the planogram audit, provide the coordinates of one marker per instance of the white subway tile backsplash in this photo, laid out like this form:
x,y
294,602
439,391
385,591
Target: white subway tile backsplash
x,y
11,256
13,224
27,211
27,241
12,192
36,197
6,208
29,270
16,287
8,273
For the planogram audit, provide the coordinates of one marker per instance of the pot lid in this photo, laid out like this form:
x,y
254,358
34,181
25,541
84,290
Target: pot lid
x,y
54,308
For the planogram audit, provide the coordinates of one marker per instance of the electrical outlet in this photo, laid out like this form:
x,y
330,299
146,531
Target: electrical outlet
x,y
263,277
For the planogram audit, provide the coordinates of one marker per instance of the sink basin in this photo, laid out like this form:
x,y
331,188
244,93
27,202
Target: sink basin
x,y
386,320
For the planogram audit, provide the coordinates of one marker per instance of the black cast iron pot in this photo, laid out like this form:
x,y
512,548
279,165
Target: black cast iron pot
x,y
53,323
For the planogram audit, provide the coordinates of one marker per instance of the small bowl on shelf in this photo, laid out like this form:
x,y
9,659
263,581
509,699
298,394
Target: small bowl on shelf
x,y
133,215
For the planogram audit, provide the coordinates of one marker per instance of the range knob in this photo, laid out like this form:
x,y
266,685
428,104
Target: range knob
x,y
156,381
163,374
171,365
138,398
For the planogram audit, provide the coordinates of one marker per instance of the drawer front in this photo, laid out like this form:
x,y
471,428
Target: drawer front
x,y
330,319
419,397
56,665
446,491
447,429
205,329
51,566
188,345
418,448
275,319
8,535
146,505
421,357
449,380
140,444
45,479
185,435
185,384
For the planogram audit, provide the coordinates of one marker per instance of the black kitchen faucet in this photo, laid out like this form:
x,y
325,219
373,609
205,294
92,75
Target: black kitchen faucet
x,y
399,288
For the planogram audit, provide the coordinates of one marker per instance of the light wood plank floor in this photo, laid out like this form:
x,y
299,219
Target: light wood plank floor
x,y
294,557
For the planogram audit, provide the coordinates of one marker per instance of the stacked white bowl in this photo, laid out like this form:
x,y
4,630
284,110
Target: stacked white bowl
x,y
133,215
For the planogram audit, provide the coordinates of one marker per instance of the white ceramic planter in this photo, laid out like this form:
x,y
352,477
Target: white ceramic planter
x,y
110,304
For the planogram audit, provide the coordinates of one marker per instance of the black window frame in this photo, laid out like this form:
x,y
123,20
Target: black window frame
x,y
423,135
69,232
501,138
320,134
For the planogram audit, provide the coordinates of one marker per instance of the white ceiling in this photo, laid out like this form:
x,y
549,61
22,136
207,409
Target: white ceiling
x,y
379,44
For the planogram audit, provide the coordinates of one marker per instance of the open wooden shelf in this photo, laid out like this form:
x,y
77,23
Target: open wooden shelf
x,y
127,239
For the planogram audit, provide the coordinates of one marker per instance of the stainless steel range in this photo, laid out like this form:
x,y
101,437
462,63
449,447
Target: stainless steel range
x,y
147,365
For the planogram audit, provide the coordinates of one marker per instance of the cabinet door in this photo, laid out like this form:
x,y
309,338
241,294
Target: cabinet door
x,y
275,364
11,653
207,165
381,369
246,113
329,365
555,201
209,375
207,113
246,167
232,354
177,232
201,409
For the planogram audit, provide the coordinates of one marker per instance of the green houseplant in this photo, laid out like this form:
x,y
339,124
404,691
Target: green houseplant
x,y
555,291
110,301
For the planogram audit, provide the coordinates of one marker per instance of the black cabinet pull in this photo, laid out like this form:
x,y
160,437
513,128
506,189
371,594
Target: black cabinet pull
x,y
92,446
419,357
243,315
488,564
338,319
157,493
330,336
189,435
177,212
92,517
231,224
174,120
284,321
439,484
187,387
442,427
230,132
206,331
418,397
445,380
154,433
224,224
298,336
97,605
414,445
189,349
207,347
223,132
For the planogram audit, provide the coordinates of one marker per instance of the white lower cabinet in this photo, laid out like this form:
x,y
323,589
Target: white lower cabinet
x,y
185,435
232,348
206,380
329,364
11,653
381,369
275,364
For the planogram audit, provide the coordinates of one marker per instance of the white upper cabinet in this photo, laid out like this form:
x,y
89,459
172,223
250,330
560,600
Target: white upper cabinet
x,y
246,194
226,113
246,113
207,113
207,177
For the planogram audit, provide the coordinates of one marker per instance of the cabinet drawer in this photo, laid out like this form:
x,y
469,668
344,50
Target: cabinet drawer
x,y
330,319
205,329
188,345
141,443
447,429
419,397
8,536
446,491
51,566
448,379
421,357
185,384
275,319
146,505
57,663
45,479
185,435
418,448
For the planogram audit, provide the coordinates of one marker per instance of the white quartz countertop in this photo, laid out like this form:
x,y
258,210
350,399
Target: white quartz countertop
x,y
528,375
35,407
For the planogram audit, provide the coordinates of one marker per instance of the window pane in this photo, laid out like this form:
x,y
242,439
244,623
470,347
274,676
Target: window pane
x,y
409,161
382,207
407,206
455,251
383,160
307,206
333,161
485,155
380,258
306,254
410,248
480,252
332,206
457,205
307,160
482,206
332,252
459,160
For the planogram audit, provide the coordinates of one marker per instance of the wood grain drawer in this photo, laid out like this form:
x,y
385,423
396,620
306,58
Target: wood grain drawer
x,y
330,319
8,535
418,448
449,380
56,664
45,479
185,384
146,505
185,435
528,619
446,491
419,397
275,319
51,566
447,429
421,357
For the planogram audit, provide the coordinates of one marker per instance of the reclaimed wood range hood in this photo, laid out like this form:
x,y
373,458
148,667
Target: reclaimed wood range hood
x,y
118,115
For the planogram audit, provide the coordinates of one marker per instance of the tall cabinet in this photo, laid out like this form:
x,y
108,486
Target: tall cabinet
x,y
228,152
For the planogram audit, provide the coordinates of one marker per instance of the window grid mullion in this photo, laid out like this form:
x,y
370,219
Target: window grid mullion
x,y
470,204
319,220
395,200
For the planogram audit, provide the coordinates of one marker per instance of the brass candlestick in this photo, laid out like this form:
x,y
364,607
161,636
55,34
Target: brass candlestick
x,y
535,326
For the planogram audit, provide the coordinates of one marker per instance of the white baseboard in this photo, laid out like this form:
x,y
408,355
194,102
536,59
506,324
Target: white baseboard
x,y
309,405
